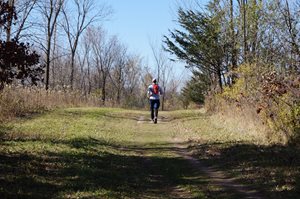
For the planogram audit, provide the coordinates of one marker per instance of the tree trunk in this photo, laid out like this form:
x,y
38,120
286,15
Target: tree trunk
x,y
220,78
48,53
50,29
254,31
233,43
119,86
89,80
243,11
245,30
72,69
292,32
103,92
10,19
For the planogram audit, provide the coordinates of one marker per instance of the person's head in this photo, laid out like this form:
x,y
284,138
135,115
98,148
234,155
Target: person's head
x,y
154,81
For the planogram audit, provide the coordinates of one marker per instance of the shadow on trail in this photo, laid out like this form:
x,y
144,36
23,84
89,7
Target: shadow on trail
x,y
274,170
93,168
146,117
97,169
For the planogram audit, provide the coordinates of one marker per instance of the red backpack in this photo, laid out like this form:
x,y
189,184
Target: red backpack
x,y
155,89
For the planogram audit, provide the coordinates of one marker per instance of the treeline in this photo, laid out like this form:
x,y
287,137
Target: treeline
x,y
61,45
243,54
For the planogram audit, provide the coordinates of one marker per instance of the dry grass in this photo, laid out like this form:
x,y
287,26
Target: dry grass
x,y
242,117
245,121
261,100
20,101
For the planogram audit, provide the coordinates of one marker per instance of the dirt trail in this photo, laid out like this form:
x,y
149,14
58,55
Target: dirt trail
x,y
216,177
160,119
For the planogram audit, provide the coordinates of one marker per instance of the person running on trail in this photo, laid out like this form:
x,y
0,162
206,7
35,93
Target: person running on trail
x,y
154,91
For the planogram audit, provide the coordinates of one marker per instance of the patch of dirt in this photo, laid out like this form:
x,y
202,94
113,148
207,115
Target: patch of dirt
x,y
160,120
216,177
179,192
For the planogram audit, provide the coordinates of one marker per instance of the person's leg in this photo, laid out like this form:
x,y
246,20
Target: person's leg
x,y
156,114
152,109
152,114
156,107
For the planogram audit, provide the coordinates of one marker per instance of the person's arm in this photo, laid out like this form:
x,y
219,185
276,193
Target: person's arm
x,y
149,93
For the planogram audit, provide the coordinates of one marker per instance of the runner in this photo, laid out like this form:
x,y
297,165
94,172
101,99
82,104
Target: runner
x,y
154,91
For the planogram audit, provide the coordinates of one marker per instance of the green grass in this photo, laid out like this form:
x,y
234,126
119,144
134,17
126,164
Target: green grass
x,y
88,153
272,168
106,153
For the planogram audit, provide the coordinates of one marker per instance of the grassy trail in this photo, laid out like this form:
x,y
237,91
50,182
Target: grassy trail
x,y
115,153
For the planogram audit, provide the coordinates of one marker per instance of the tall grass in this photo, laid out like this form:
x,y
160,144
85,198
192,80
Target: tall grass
x,y
242,119
261,98
19,101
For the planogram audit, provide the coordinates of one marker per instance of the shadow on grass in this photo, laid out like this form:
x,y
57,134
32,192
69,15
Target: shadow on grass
x,y
4,129
275,170
93,170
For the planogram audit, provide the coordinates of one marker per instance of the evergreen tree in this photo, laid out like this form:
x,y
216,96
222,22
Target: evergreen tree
x,y
195,89
199,45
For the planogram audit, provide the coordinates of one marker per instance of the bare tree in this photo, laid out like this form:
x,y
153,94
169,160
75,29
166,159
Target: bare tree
x,y
104,53
133,71
159,60
10,19
164,68
172,95
50,10
291,23
24,9
134,92
243,4
84,57
234,51
118,74
146,77
83,17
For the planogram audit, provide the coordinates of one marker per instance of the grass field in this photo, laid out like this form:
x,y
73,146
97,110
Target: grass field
x,y
113,153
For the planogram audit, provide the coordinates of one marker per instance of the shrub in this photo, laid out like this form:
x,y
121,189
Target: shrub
x,y
275,97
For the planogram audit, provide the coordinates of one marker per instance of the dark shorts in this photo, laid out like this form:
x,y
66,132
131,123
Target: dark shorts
x,y
154,104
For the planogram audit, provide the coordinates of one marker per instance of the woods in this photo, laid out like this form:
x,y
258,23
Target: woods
x,y
74,109
71,51
242,53
246,53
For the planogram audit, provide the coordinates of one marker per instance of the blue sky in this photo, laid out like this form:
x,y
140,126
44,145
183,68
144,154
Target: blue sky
x,y
137,23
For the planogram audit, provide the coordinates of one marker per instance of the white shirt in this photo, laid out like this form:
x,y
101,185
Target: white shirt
x,y
152,95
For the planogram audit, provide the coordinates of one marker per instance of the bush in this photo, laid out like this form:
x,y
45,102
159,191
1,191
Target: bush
x,y
274,97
